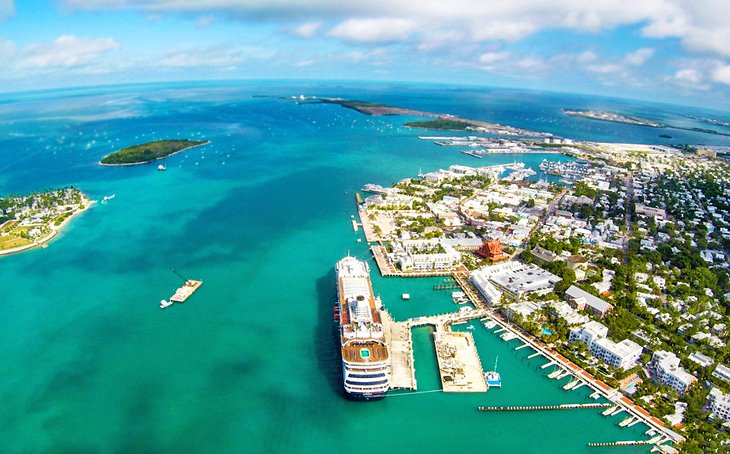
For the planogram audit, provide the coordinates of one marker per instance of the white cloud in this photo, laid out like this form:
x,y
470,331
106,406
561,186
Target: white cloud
x,y
722,74
688,76
307,30
701,25
66,51
488,58
640,56
373,30
606,68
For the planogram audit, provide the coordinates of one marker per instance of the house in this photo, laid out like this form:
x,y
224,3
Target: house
x,y
580,299
543,255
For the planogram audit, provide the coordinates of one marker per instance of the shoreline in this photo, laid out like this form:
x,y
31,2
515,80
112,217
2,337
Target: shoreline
x,y
55,230
156,159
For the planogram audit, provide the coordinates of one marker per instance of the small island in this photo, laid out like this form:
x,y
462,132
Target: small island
x,y
150,151
447,124
29,221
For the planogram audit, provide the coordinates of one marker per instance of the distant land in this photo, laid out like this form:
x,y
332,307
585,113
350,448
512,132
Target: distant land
x,y
374,109
616,117
441,122
148,152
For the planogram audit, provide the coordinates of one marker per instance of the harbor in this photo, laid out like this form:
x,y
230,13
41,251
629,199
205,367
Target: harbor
x,y
559,366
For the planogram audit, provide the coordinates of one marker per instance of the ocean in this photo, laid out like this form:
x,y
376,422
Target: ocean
x,y
90,363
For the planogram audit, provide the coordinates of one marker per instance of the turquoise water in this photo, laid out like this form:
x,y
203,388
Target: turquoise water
x,y
91,364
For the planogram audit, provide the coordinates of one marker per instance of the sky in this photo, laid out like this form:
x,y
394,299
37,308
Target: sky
x,y
674,51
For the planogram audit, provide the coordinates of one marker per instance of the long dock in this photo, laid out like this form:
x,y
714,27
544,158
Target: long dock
x,y
546,407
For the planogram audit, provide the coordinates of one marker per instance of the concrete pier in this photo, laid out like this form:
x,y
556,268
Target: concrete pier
x,y
522,346
459,364
534,355
545,366
402,365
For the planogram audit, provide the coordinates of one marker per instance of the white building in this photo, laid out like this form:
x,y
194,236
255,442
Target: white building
x,y
668,371
719,404
701,359
488,291
425,255
722,372
517,279
623,355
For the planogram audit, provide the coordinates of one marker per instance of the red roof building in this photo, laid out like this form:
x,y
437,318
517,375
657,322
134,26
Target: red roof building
x,y
492,250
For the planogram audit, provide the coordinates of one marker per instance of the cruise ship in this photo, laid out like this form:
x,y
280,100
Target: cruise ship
x,y
365,356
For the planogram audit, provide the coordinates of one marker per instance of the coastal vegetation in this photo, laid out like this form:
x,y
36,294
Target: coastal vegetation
x,y
441,123
150,151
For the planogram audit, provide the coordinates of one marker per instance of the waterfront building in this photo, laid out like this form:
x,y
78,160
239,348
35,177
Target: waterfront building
x,y
518,279
425,255
623,355
669,372
722,372
719,404
489,292
580,299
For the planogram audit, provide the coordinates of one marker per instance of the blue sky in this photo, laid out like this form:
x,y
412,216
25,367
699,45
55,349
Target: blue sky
x,y
663,50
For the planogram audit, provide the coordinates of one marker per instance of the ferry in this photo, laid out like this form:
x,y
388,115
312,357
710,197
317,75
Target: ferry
x,y
494,380
365,356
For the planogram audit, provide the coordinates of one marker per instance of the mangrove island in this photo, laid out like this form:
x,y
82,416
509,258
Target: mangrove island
x,y
150,151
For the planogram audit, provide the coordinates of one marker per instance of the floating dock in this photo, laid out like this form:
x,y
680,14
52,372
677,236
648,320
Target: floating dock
x,y
184,292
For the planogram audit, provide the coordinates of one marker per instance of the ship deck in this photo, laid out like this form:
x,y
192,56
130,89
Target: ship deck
x,y
376,352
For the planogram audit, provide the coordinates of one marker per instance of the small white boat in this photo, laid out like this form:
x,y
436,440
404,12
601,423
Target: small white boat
x,y
406,296
164,304
161,167
107,198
